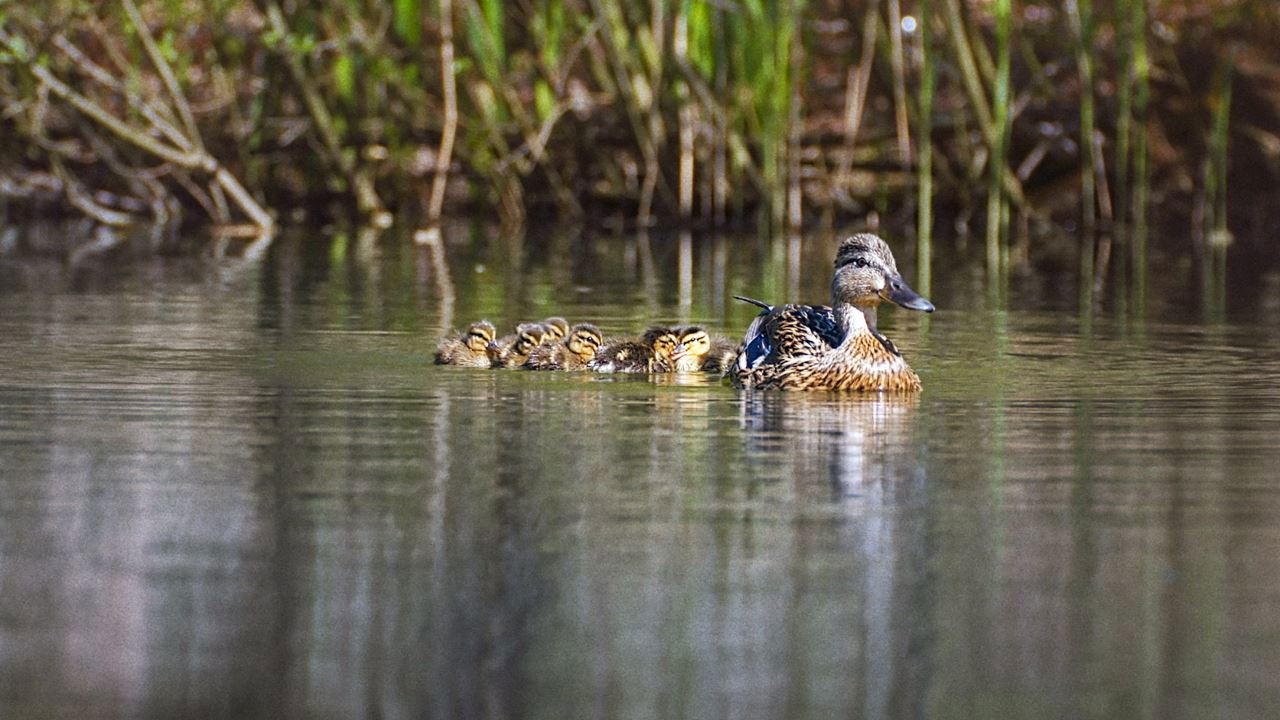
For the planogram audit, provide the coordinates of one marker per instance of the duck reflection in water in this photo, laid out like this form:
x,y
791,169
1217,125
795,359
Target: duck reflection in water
x,y
861,444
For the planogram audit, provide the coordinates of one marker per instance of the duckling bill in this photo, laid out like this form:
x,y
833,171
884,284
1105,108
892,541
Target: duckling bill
x,y
699,351
577,350
651,353
473,348
816,347
514,349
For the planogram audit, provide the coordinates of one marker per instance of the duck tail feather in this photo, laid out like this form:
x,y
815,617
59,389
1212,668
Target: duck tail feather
x,y
758,303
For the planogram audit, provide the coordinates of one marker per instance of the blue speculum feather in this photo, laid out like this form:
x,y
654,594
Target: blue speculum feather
x,y
757,349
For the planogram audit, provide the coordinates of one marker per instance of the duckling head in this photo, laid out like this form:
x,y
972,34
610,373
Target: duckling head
x,y
584,340
528,337
664,342
693,344
480,336
867,275
557,328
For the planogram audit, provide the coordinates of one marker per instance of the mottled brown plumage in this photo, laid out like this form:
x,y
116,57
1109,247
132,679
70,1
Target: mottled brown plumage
x,y
557,327
700,351
806,347
722,354
649,353
514,349
574,353
473,348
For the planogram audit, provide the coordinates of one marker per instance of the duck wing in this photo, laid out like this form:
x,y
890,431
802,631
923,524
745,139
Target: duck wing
x,y
782,332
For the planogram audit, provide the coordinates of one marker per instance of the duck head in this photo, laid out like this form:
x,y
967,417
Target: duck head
x,y
692,347
664,343
557,327
480,336
584,340
867,275
529,336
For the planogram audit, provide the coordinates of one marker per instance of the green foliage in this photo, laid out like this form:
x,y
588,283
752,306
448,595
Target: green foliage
x,y
344,77
407,21
756,79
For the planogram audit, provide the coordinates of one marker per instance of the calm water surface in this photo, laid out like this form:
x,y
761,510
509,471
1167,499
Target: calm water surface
x,y
243,491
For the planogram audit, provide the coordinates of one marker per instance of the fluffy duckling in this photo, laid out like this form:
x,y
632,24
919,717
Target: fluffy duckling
x,y
474,348
815,347
701,351
557,328
514,349
723,352
652,352
578,349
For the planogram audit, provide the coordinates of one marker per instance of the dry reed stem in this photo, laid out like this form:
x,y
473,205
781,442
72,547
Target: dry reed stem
x,y
444,156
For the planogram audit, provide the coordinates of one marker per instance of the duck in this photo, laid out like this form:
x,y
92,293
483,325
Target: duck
x,y
816,347
474,348
652,352
557,328
703,352
578,349
514,349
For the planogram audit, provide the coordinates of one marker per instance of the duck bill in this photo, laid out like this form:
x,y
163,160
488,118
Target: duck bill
x,y
899,292
679,352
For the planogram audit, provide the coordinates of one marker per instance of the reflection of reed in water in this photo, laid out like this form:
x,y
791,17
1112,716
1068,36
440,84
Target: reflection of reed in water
x,y
853,441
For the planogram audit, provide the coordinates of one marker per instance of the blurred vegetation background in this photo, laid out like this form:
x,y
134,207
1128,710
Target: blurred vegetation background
x,y
1009,120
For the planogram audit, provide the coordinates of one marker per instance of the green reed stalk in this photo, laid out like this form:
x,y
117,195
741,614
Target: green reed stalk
x,y
899,83
1124,111
1218,143
1081,12
700,51
406,21
1122,160
686,110
1000,141
719,70
969,68
1219,235
1141,160
795,124
924,144
548,32
488,46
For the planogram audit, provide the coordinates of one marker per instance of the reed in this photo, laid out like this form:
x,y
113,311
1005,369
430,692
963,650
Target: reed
x,y
444,154
1215,188
897,65
689,110
1000,123
1139,209
406,20
1081,14
924,149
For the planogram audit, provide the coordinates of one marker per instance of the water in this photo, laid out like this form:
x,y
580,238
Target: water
x,y
236,490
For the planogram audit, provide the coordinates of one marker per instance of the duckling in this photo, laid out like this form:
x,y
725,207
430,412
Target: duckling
x,y
723,352
557,328
573,354
652,352
514,349
808,347
474,348
704,352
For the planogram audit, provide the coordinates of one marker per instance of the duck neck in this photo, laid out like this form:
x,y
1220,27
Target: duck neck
x,y
854,320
